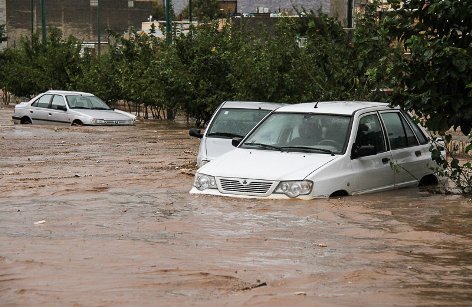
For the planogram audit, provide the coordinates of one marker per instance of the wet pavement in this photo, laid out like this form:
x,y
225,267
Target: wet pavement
x,y
101,216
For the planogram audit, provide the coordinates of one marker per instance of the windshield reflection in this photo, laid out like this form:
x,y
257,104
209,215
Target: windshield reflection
x,y
86,102
230,123
300,132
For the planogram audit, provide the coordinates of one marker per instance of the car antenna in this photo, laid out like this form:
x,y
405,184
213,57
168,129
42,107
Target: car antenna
x,y
316,105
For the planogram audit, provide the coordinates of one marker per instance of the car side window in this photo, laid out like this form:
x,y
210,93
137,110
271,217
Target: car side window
x,y
399,132
419,134
369,133
42,102
58,101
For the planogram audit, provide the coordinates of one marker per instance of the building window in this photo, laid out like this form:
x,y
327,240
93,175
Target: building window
x,y
93,2
130,3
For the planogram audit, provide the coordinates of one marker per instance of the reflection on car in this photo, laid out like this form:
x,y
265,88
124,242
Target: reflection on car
x,y
323,149
232,119
69,108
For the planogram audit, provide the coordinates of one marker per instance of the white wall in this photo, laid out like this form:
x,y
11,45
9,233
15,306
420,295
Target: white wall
x,y
250,6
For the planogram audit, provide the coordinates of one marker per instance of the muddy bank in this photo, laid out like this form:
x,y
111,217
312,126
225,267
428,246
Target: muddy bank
x,y
102,217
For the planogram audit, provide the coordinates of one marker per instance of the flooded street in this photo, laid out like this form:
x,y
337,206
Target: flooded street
x,y
101,216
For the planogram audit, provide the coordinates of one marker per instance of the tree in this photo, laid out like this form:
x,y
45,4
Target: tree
x,y
35,68
435,79
158,10
206,9
206,56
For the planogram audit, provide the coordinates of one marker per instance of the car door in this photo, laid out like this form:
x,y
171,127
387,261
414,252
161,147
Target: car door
x,y
39,111
373,172
58,112
410,148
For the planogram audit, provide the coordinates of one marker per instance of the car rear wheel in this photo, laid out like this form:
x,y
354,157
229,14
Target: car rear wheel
x,y
25,121
77,123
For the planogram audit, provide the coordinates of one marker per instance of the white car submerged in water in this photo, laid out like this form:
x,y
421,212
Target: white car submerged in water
x,y
231,119
320,150
70,108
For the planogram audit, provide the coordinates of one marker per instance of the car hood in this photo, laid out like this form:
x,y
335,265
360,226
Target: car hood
x,y
265,164
102,114
216,147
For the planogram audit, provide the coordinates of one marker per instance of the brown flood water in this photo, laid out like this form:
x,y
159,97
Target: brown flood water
x,y
102,217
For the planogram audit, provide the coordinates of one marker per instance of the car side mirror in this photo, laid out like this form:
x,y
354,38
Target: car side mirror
x,y
62,108
363,151
236,141
195,133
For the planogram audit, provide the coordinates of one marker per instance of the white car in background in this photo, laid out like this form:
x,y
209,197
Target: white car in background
x,y
320,150
232,119
70,108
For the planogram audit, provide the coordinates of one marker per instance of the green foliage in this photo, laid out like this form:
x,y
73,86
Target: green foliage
x,y
435,79
158,10
32,69
205,54
206,9
459,171
373,62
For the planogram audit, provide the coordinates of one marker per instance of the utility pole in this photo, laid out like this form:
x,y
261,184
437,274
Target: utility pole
x,y
43,19
349,13
96,3
98,26
190,11
168,22
32,22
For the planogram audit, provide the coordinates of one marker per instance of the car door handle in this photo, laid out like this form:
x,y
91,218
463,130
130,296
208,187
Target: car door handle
x,y
417,153
385,160
50,114
31,112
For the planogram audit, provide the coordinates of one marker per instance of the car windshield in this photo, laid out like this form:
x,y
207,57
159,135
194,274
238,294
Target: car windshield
x,y
301,132
229,123
86,102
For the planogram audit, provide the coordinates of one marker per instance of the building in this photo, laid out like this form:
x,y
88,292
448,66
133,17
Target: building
x,y
73,17
80,17
287,6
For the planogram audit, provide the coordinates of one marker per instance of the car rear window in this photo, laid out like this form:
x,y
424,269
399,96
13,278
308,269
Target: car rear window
x,y
229,123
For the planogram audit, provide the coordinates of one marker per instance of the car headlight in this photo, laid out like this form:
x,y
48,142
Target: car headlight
x,y
98,121
294,188
203,182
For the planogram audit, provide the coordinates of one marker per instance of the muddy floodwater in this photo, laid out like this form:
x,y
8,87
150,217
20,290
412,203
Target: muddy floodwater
x,y
101,216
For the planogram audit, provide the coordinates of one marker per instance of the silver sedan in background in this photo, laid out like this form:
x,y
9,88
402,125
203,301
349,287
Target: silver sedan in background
x,y
70,108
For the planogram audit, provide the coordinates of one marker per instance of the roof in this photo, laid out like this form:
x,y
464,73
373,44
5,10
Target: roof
x,y
251,105
59,92
332,107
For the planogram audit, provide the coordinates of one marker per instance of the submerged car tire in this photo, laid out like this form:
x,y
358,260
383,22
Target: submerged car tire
x,y
77,123
339,193
25,121
428,180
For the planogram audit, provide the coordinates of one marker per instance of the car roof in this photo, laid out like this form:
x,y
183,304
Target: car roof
x,y
59,92
251,105
333,107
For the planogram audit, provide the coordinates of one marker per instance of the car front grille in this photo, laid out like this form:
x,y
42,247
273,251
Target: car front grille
x,y
245,186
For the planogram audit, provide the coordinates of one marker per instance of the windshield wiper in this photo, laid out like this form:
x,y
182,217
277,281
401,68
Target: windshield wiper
x,y
307,148
264,146
100,108
225,134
